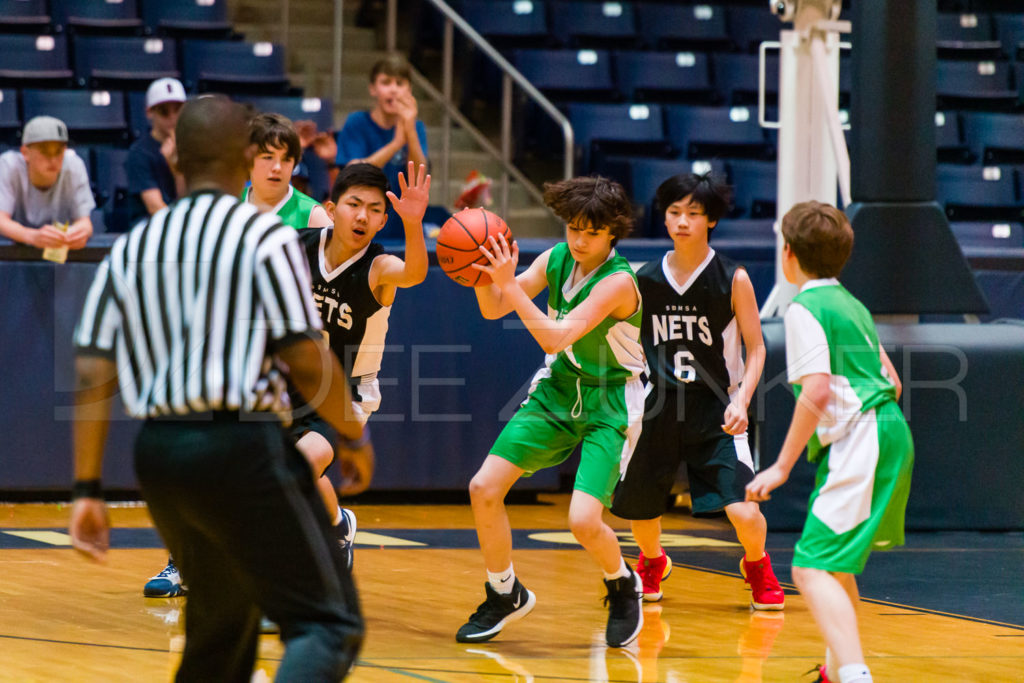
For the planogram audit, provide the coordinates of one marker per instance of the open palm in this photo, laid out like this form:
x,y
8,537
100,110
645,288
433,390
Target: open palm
x,y
415,195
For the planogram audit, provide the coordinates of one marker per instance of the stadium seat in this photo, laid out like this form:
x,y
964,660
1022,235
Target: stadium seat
x,y
988,234
568,73
664,76
233,66
973,84
90,115
977,192
34,58
23,15
735,76
10,121
965,35
700,132
668,26
760,232
207,18
612,128
949,144
1010,32
995,138
509,23
755,187
582,23
107,172
93,15
101,59
314,109
751,26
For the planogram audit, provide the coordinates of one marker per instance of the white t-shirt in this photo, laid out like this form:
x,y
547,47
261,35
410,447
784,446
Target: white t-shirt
x,y
69,199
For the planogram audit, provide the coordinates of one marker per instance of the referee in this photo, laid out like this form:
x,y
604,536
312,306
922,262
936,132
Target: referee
x,y
184,316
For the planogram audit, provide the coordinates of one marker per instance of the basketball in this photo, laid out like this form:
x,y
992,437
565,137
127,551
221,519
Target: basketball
x,y
459,241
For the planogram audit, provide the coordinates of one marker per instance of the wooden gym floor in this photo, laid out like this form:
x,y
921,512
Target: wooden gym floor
x,y
945,608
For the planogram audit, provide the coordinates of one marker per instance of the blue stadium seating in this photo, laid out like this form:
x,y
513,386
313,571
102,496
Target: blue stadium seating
x,y
105,58
700,132
995,137
567,72
186,17
755,187
233,66
979,84
668,26
315,109
509,23
759,232
28,15
138,124
34,58
581,23
966,34
663,76
1010,32
735,75
95,15
977,192
751,26
89,114
988,234
949,143
110,185
634,128
10,121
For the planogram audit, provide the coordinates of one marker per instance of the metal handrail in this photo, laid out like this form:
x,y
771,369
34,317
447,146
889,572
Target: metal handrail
x,y
510,75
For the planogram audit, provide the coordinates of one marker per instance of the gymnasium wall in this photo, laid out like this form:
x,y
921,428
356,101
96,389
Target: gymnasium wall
x,y
451,379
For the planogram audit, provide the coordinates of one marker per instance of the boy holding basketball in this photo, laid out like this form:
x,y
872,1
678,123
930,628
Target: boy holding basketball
x,y
588,393
699,307
846,414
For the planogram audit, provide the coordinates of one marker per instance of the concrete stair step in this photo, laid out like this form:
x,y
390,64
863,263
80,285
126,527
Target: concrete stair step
x,y
301,11
518,197
316,34
534,222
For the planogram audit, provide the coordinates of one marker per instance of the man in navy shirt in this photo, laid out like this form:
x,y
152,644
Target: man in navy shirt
x,y
388,136
152,180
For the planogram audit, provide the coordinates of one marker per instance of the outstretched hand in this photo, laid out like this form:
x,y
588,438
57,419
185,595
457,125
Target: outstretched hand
x,y
765,482
503,259
90,528
415,195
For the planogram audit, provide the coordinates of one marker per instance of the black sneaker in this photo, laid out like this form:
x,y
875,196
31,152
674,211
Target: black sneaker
x,y
495,612
625,614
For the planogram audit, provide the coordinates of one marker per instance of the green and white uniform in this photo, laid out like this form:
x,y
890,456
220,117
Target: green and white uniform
x,y
293,210
590,392
862,443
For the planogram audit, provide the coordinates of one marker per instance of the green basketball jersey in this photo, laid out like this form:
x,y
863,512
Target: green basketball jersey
x,y
294,209
611,352
858,379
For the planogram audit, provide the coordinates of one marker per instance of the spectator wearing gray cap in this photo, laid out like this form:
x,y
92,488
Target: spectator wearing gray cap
x,y
153,179
43,185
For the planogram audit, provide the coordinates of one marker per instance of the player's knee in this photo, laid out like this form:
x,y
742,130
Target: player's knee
x,y
584,527
319,457
482,490
744,514
803,576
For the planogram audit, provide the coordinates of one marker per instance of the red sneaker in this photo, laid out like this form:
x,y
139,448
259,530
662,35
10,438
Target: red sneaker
x,y
767,593
652,572
820,670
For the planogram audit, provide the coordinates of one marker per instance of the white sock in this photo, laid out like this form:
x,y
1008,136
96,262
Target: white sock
x,y
829,661
337,517
622,571
502,582
854,673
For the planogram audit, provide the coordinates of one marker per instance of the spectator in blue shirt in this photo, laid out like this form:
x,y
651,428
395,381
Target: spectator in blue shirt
x,y
153,182
388,136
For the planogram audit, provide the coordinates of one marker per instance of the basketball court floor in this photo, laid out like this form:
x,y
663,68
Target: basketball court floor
x,y
947,607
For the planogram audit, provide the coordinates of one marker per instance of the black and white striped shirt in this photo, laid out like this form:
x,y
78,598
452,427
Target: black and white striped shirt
x,y
190,303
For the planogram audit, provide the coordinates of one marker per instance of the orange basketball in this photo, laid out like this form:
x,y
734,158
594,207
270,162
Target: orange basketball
x,y
459,241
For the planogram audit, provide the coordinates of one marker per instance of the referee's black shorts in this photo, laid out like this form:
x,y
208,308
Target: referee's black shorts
x,y
683,427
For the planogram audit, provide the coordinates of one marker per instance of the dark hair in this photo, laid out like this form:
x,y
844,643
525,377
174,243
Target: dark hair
x,y
274,130
601,202
360,175
212,137
394,65
820,237
705,190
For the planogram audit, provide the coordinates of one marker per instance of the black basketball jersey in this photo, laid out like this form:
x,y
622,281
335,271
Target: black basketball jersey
x,y
355,323
689,330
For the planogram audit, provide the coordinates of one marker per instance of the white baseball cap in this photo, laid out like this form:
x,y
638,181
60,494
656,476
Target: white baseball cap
x,y
164,90
44,129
